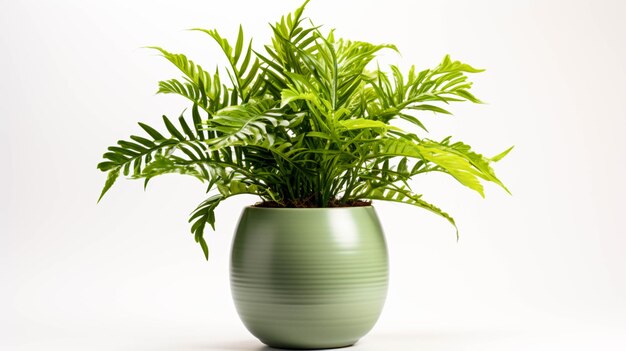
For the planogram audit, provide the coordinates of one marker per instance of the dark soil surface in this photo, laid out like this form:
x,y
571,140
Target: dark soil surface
x,y
306,203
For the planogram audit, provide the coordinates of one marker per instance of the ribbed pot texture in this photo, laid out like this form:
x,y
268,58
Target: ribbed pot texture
x,y
309,278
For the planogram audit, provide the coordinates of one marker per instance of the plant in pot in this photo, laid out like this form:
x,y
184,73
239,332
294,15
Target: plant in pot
x,y
310,126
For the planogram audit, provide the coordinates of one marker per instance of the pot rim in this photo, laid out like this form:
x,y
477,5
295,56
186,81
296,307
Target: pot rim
x,y
308,208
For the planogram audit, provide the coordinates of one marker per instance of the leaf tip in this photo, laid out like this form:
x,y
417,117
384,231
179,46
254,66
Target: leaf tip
x,y
501,155
111,178
151,47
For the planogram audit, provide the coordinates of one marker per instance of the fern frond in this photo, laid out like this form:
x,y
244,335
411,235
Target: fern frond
x,y
200,87
246,124
457,160
445,83
244,70
205,212
307,120
185,89
403,195
155,154
478,162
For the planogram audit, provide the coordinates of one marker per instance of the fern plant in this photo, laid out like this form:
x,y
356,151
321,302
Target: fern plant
x,y
307,122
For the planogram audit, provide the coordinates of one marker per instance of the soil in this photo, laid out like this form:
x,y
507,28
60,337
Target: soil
x,y
309,203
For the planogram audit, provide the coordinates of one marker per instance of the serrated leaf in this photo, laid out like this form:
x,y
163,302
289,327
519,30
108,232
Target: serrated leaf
x,y
111,178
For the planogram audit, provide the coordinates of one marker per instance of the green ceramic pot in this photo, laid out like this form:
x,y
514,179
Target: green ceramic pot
x,y
309,278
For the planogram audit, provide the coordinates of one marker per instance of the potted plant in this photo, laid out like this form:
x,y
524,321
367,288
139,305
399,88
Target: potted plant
x,y
309,126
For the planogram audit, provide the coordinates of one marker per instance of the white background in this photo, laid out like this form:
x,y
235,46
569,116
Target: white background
x,y
543,269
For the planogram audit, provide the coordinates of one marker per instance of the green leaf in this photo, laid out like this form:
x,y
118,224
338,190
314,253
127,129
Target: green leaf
x,y
413,120
172,129
288,96
425,107
405,196
501,155
402,167
467,95
152,132
458,167
194,73
360,123
307,121
111,178
203,214
247,124
238,45
479,164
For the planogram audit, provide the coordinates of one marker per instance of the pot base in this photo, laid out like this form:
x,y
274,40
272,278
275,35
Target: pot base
x,y
312,347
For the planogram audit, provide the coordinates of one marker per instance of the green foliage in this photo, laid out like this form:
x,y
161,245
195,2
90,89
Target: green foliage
x,y
310,121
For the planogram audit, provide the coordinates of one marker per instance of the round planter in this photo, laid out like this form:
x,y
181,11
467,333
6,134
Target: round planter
x,y
309,278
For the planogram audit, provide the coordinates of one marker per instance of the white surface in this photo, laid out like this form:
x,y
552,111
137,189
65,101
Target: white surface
x,y
228,339
541,270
